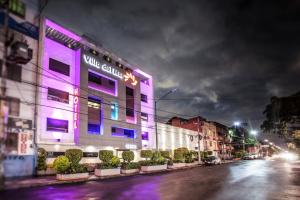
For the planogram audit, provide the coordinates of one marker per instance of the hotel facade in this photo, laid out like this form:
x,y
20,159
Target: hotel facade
x,y
89,98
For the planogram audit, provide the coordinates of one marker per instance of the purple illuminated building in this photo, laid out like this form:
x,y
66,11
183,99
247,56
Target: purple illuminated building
x,y
90,98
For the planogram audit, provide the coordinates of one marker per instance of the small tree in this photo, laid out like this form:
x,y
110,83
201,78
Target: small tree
x,y
178,155
106,155
165,154
74,155
61,164
41,159
128,156
147,154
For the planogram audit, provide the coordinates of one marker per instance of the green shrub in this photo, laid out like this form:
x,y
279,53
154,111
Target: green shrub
x,y
74,155
178,155
128,156
132,165
165,154
146,154
183,149
188,157
61,164
147,163
41,159
156,155
106,155
115,162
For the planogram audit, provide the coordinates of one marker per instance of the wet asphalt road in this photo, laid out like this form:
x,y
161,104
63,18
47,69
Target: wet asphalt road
x,y
255,180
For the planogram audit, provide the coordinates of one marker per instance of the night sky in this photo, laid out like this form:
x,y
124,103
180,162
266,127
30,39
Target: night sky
x,y
227,58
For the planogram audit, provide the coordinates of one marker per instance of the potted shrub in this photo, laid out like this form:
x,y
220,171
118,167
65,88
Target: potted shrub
x,y
41,161
156,163
127,166
178,161
109,165
147,154
188,158
68,167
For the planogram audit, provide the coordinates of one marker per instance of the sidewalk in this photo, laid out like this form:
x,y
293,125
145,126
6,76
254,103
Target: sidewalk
x,y
26,182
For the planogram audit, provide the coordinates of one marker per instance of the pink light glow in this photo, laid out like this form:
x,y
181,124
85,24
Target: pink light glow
x,y
143,73
62,30
75,102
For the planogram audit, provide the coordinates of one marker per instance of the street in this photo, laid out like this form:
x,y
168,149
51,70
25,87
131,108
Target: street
x,y
256,179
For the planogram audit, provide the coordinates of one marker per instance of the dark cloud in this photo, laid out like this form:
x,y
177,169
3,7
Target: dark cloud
x,y
225,57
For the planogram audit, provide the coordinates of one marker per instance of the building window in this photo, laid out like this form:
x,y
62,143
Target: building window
x,y
144,116
114,111
144,98
102,83
58,95
14,71
94,115
59,67
17,7
129,102
13,106
57,125
145,135
11,142
121,132
210,143
145,81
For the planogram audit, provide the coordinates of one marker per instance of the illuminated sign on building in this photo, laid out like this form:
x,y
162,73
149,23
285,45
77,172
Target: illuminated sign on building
x,y
75,103
95,63
131,77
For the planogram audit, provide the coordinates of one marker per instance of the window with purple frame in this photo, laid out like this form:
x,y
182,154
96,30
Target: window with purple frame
x,y
94,115
57,125
102,83
122,132
145,135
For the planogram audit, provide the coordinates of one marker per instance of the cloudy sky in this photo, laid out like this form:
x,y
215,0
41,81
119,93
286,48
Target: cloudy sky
x,y
227,58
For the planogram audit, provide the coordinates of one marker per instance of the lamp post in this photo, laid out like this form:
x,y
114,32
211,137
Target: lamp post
x,y
199,139
237,124
155,112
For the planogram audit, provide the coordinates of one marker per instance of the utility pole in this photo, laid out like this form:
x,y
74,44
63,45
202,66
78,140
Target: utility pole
x,y
199,139
4,108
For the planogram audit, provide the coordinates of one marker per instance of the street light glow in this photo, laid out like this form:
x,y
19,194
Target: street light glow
x,y
253,132
237,123
266,140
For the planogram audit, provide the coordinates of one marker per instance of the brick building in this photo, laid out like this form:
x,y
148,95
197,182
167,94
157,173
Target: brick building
x,y
207,130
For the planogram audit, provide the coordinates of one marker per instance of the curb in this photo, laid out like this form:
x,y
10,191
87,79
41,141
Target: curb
x,y
13,186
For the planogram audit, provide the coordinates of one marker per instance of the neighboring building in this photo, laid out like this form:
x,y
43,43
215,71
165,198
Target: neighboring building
x,y
171,138
224,141
20,84
89,98
206,129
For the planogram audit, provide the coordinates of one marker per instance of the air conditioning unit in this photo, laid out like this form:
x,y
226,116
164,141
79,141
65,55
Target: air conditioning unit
x,y
20,53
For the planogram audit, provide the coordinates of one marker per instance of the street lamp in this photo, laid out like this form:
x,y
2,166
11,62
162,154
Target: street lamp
x,y
253,132
155,112
266,140
236,123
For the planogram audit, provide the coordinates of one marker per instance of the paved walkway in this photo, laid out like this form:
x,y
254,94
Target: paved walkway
x,y
51,180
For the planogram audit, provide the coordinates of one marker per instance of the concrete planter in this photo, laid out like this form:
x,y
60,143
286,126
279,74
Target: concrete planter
x,y
107,172
130,171
67,177
47,172
176,165
153,168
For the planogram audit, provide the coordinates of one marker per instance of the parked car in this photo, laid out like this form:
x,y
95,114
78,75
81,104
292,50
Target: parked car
x,y
248,157
212,160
